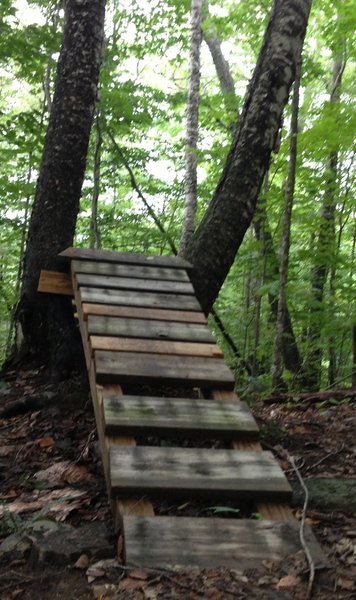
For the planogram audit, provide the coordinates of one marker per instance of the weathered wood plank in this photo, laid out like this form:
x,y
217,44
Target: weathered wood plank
x,y
199,472
136,271
142,328
124,367
187,543
127,283
54,282
117,344
144,299
172,262
134,312
130,415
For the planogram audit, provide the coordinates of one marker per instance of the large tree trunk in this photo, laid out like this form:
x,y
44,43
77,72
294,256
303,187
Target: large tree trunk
x,y
47,320
215,244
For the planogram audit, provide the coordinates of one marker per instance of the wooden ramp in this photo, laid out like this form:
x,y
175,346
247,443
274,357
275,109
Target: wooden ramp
x,y
159,384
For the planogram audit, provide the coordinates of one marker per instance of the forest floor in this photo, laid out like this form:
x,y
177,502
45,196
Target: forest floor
x,y
51,478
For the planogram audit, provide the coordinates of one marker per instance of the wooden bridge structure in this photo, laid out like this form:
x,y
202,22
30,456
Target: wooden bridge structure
x,y
158,379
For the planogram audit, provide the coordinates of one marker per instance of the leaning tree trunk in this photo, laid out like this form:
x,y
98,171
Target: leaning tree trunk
x,y
190,210
46,320
220,234
291,355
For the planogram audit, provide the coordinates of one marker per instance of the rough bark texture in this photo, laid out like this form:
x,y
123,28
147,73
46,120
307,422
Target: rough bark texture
x,y
278,362
189,221
46,319
221,232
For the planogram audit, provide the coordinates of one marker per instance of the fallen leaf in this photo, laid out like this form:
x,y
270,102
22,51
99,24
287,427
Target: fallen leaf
x,y
45,442
137,574
7,450
130,585
289,581
82,562
346,584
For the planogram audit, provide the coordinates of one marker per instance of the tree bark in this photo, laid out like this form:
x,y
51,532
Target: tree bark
x,y
217,239
325,251
278,362
191,183
47,321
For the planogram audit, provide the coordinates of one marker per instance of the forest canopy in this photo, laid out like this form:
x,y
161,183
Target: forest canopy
x,y
136,163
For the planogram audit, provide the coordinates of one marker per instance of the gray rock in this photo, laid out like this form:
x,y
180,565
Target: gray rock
x,y
327,494
64,547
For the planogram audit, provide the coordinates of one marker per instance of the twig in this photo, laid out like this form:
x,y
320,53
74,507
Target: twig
x,y
86,445
316,464
301,529
135,186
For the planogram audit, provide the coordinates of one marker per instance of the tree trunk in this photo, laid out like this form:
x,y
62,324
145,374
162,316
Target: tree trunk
x,y
278,363
190,211
325,252
46,320
95,237
215,244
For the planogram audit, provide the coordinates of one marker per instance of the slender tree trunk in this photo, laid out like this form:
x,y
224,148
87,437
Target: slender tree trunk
x,y
95,239
325,251
47,321
190,211
278,363
291,356
217,239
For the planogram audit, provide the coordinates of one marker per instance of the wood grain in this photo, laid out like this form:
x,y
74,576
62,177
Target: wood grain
x,y
144,299
125,367
173,262
136,271
186,543
143,328
54,282
139,285
182,417
196,472
118,344
134,312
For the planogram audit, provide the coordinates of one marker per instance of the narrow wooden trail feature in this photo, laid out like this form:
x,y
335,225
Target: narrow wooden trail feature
x,y
158,382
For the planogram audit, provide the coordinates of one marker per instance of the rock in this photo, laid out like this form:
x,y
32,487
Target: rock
x,y
327,494
15,547
64,547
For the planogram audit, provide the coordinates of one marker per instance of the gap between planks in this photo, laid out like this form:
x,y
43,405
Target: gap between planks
x,y
269,510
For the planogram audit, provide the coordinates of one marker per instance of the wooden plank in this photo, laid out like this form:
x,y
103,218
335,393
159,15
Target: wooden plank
x,y
199,472
268,510
155,330
130,258
144,299
183,417
127,283
136,271
116,344
188,543
54,282
134,312
124,367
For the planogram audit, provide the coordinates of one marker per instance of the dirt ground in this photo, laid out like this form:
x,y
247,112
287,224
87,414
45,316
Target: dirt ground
x,y
61,436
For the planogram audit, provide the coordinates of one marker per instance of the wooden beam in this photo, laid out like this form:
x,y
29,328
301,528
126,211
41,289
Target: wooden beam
x,y
55,282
